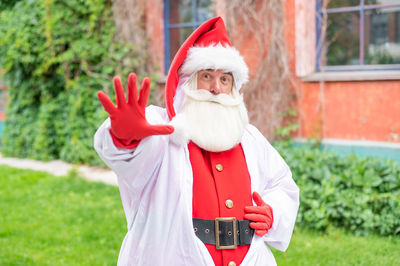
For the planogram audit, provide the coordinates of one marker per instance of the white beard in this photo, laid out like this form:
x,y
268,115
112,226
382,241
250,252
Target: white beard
x,y
213,122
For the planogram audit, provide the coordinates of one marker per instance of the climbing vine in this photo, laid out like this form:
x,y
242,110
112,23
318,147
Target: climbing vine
x,y
257,26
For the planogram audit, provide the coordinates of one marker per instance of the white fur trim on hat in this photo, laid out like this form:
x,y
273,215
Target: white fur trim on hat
x,y
216,57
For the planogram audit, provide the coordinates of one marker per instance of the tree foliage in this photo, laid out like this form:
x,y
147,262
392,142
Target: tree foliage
x,y
55,56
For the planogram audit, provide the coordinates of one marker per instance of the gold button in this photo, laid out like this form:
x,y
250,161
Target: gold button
x,y
229,203
232,263
219,167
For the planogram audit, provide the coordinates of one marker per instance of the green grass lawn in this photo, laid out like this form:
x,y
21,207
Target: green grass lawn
x,y
339,248
47,220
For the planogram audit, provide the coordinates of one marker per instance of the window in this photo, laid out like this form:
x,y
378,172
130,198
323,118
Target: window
x,y
181,18
360,35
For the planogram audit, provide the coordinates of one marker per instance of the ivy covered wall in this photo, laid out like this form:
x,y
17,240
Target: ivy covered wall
x,y
55,55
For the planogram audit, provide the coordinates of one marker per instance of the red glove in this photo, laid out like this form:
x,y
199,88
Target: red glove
x,y
128,120
261,214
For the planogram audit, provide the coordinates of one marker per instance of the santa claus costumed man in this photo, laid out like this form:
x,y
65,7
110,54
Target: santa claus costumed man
x,y
198,183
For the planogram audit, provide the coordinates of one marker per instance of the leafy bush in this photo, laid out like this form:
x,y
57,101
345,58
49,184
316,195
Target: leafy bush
x,y
55,56
358,194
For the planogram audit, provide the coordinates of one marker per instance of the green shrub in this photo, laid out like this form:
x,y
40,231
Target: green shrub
x,y
360,194
55,56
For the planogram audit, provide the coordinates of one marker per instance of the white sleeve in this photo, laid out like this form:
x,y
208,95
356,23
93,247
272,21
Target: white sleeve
x,y
134,167
282,194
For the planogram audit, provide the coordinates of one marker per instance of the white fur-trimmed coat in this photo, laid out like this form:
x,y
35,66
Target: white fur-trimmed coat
x,y
155,182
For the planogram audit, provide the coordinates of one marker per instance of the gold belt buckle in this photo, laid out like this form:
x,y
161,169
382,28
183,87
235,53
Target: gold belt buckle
x,y
217,233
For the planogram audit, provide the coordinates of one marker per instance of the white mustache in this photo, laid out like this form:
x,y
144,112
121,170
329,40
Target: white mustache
x,y
205,96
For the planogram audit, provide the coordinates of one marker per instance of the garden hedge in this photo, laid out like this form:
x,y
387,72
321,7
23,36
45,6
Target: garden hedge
x,y
359,194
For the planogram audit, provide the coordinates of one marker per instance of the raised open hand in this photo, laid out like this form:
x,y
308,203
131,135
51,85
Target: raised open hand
x,y
128,118
261,214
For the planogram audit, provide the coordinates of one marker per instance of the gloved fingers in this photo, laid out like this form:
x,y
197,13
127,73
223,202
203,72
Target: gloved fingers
x,y
132,89
106,102
255,209
256,218
160,130
259,226
261,232
144,92
119,92
257,199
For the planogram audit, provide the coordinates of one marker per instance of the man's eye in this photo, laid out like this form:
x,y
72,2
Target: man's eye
x,y
206,76
225,79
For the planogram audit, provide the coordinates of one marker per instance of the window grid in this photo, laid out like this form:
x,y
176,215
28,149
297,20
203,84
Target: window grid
x,y
167,26
361,8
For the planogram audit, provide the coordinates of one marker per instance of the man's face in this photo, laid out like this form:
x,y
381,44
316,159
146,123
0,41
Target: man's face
x,y
214,113
215,81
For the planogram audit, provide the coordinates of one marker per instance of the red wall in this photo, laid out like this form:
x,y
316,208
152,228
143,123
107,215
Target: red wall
x,y
351,110
155,31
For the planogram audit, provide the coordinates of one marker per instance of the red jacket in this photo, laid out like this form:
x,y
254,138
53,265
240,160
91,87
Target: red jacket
x,y
217,178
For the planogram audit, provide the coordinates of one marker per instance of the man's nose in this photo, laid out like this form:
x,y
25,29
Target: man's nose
x,y
216,87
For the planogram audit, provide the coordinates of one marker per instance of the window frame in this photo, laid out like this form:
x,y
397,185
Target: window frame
x,y
167,26
361,8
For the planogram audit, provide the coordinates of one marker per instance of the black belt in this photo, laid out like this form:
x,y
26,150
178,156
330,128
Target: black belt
x,y
225,226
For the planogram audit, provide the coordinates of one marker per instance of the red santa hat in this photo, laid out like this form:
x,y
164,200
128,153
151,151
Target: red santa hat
x,y
208,47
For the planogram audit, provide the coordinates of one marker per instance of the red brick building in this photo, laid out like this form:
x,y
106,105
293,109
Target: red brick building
x,y
353,101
